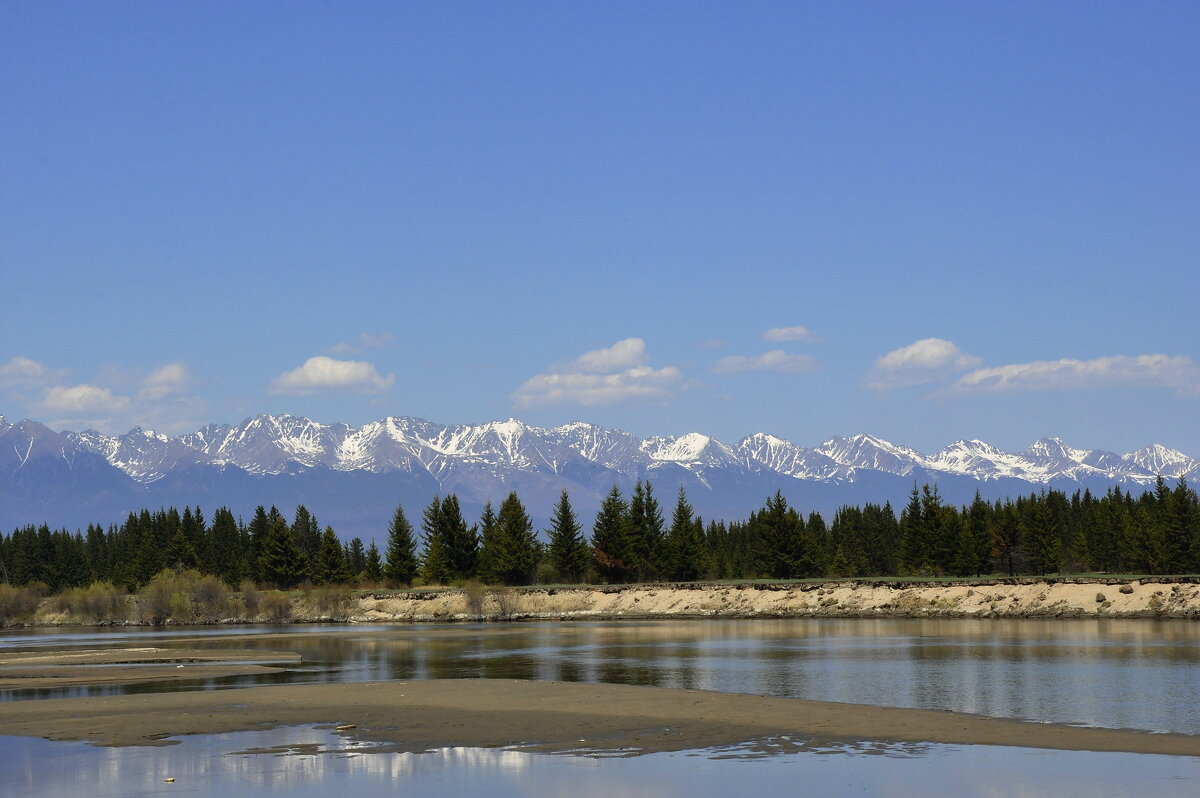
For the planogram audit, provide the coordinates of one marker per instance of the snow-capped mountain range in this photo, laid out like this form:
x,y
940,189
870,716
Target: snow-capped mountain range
x,y
409,458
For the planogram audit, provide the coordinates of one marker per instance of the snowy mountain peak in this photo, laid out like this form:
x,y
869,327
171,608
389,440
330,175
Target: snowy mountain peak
x,y
869,452
1159,459
451,454
683,449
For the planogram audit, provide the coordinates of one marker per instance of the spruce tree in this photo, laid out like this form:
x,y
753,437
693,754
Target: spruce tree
x,y
684,542
225,547
1045,547
912,534
461,542
610,539
568,549
308,534
329,566
979,529
374,568
489,544
180,554
400,565
777,529
435,558
515,559
356,557
280,561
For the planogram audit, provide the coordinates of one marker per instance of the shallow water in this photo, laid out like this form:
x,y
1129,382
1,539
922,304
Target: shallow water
x,y
214,766
1127,674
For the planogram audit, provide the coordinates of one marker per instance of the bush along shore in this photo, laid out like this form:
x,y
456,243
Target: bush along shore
x,y
173,598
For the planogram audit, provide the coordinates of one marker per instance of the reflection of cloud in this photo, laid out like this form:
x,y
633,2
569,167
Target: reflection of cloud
x,y
609,376
325,374
1165,371
775,360
921,362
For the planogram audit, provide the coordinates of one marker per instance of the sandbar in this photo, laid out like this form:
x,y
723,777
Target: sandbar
x,y
43,669
544,716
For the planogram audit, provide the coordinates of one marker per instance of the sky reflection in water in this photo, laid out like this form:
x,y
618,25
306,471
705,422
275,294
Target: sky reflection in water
x,y
214,766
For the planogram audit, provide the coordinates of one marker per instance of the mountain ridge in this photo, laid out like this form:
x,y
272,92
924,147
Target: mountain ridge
x,y
47,475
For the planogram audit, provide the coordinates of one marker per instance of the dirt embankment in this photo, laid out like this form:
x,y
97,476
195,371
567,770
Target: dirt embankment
x,y
1005,598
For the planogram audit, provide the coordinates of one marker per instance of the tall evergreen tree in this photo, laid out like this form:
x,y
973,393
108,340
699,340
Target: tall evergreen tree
x,y
610,539
400,565
308,535
435,557
180,554
280,561
460,541
515,557
568,549
777,530
685,544
374,567
1045,545
489,544
329,565
225,545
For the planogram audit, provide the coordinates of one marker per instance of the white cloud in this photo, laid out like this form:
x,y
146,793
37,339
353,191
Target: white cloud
x,y
622,355
362,342
1166,371
921,362
610,376
775,360
82,399
792,334
589,390
23,372
164,381
321,373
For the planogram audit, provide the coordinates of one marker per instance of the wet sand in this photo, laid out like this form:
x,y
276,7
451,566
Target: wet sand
x,y
546,716
41,669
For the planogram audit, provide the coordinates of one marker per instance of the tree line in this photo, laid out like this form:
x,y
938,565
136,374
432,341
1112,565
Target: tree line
x,y
631,540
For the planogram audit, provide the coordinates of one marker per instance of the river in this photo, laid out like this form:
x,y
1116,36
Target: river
x,y
1136,674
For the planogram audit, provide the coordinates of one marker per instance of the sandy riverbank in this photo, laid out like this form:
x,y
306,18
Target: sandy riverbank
x,y
546,716
1017,598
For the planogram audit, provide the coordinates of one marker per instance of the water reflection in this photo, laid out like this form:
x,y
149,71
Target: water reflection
x,y
309,762
1137,674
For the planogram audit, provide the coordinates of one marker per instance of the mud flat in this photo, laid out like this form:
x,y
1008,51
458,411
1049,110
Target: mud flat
x,y
547,716
20,670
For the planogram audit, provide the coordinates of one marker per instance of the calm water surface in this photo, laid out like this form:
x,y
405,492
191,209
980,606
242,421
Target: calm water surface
x,y
1125,674
214,766
1137,674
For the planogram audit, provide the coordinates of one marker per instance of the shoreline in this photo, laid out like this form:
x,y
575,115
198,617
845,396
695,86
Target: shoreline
x,y
552,717
1018,597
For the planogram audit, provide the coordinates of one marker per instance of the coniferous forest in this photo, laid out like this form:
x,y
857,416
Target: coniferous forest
x,y
632,539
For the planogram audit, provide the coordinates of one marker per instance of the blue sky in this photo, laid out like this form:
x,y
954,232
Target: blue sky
x,y
926,221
